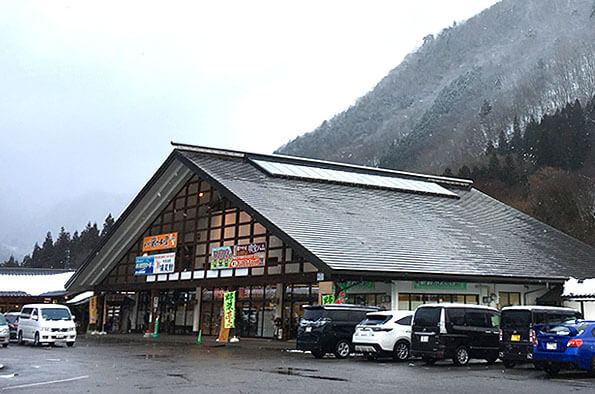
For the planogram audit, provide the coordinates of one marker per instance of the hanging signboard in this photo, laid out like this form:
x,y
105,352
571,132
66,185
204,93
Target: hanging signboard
x,y
93,310
155,264
229,309
239,256
160,242
328,299
438,285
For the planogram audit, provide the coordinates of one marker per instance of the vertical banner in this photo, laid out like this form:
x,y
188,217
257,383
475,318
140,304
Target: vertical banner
x,y
93,310
229,309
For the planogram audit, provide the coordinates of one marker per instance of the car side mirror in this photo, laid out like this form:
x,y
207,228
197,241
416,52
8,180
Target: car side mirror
x,y
73,318
34,317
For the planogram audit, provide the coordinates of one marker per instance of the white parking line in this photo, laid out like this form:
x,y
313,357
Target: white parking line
x,y
21,386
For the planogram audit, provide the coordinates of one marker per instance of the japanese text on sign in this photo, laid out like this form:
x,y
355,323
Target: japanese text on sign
x,y
238,256
159,242
156,264
229,309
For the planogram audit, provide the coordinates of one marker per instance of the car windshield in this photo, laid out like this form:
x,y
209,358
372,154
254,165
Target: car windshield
x,y
375,320
2,320
55,314
515,319
312,314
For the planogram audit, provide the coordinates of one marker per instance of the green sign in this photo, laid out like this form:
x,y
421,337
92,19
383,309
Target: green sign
x,y
229,309
328,299
437,285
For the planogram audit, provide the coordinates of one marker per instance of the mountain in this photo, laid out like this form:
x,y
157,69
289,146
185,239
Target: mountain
x,y
454,94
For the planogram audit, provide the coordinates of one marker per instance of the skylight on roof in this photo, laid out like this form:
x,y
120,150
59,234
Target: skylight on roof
x,y
350,177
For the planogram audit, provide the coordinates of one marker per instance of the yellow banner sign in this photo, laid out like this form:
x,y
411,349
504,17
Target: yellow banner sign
x,y
159,242
229,309
93,310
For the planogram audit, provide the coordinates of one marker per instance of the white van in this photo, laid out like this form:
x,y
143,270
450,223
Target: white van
x,y
46,323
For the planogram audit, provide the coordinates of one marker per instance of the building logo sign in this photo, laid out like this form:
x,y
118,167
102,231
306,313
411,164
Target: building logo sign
x,y
156,264
239,256
160,242
438,285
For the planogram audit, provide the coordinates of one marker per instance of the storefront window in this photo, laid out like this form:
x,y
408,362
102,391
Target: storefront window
x,y
509,299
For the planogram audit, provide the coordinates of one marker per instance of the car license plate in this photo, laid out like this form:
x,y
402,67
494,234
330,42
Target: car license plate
x,y
59,336
308,329
551,345
515,338
424,338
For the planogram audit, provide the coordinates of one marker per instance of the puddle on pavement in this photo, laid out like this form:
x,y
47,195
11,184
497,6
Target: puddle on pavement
x,y
151,356
178,375
302,372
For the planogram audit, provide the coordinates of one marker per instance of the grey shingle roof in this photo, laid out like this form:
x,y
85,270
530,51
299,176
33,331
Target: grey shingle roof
x,y
358,229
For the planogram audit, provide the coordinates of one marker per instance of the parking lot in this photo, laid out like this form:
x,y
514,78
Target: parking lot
x,y
128,366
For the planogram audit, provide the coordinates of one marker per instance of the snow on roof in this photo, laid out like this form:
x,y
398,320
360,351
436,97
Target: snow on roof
x,y
574,288
34,283
80,298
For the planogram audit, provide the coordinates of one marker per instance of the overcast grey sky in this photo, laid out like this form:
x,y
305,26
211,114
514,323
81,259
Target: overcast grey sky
x,y
91,93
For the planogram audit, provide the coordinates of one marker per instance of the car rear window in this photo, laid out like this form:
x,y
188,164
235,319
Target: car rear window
x,y
516,319
427,317
11,318
375,320
313,314
564,329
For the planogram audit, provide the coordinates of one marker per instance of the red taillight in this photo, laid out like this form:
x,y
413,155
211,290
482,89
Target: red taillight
x,y
574,342
532,337
500,335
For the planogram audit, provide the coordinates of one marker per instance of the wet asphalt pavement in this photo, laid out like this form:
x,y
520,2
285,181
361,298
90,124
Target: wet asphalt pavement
x,y
145,366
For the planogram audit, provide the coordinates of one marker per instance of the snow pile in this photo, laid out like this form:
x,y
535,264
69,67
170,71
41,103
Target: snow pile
x,y
34,284
574,288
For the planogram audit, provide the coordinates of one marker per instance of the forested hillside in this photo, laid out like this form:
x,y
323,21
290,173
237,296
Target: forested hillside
x,y
546,170
448,99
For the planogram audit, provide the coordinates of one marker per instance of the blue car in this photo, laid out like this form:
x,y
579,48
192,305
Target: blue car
x,y
569,345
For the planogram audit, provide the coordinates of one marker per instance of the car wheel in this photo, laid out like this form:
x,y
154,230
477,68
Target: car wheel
x,y
428,360
5,345
315,353
401,351
509,364
70,344
461,356
342,349
20,338
552,372
592,371
36,340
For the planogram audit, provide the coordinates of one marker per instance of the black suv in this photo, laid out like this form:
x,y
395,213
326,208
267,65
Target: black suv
x,y
517,336
456,331
329,328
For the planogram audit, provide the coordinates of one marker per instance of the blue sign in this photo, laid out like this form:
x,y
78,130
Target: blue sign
x,y
144,265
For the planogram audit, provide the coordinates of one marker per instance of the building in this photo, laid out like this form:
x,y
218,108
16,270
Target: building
x,y
285,231
580,295
20,286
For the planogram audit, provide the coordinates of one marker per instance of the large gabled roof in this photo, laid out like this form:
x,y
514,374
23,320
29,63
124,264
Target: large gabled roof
x,y
346,228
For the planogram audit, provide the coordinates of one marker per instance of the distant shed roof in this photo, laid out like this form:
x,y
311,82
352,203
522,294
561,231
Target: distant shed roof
x,y
33,282
573,288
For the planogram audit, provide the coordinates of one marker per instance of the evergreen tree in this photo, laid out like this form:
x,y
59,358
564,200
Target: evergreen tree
x,y
503,147
11,262
516,142
509,172
464,172
447,172
107,225
47,257
494,169
62,249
